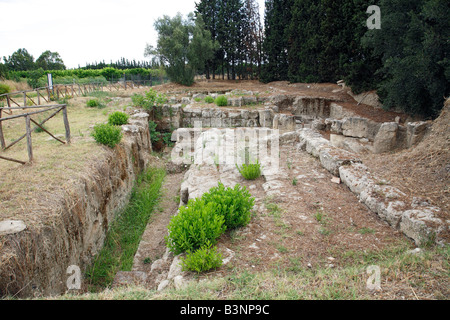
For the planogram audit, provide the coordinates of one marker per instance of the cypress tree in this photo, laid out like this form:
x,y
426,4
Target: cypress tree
x,y
275,45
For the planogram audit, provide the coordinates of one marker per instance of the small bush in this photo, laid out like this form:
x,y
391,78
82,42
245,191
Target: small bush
x,y
195,225
221,101
201,260
4,88
93,103
250,171
233,204
209,99
118,118
107,134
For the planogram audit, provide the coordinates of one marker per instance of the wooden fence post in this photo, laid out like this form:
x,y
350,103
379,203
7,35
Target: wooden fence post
x,y
66,124
2,138
29,145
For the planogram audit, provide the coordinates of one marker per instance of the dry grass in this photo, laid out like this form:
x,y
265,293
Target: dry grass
x,y
423,171
27,191
17,86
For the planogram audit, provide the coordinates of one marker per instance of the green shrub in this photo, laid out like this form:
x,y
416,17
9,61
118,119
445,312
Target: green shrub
x,y
93,103
4,88
233,204
155,135
250,171
209,99
221,101
118,118
203,259
194,226
107,134
151,101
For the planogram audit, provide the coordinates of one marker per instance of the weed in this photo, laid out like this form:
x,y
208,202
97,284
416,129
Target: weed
x,y
221,101
195,225
250,171
366,231
107,134
201,260
318,216
209,99
118,118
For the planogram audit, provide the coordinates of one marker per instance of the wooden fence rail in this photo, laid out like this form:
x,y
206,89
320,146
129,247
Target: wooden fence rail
x,y
61,91
29,130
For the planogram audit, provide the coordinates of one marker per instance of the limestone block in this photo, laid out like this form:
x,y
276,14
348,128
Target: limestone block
x,y
336,126
421,225
249,100
339,112
175,268
266,118
11,227
235,102
333,158
198,96
312,141
206,113
284,122
415,132
216,122
185,100
386,137
356,177
355,127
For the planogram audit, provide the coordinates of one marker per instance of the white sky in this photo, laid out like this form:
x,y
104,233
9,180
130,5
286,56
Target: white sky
x,y
84,31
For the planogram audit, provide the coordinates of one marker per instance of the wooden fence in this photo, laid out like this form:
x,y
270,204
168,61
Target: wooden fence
x,y
36,96
28,120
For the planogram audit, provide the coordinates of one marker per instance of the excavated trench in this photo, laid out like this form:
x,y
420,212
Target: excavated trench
x,y
36,261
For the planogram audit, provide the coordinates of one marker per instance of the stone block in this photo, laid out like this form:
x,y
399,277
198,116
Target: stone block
x,y
386,138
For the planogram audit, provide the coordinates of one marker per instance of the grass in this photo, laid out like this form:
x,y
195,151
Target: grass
x,y
403,276
125,233
55,165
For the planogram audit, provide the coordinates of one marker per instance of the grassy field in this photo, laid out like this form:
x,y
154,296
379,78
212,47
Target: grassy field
x,y
27,190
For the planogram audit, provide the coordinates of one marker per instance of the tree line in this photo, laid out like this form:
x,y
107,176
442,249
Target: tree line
x,y
406,61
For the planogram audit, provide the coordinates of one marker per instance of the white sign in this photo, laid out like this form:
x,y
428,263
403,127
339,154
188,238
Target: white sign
x,y
50,81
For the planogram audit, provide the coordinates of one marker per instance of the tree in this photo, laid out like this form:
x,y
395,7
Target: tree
x,y
3,71
275,45
209,9
20,60
183,46
202,47
251,40
50,61
414,49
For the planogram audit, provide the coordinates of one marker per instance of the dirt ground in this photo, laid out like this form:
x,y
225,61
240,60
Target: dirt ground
x,y
326,90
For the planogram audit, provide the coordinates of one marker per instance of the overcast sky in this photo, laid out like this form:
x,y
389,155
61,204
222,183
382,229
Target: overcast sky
x,y
85,31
